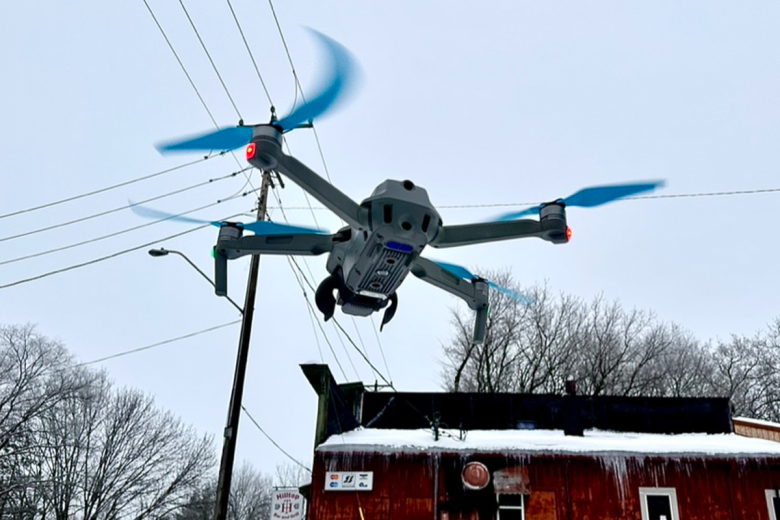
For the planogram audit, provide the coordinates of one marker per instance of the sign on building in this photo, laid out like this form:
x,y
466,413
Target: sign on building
x,y
286,505
349,481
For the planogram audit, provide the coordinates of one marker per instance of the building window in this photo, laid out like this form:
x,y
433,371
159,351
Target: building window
x,y
659,504
773,503
511,507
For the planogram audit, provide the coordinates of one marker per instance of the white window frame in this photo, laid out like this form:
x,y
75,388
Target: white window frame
x,y
670,492
770,494
520,508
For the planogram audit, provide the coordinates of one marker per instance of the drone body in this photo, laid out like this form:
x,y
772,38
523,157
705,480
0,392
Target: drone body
x,y
385,235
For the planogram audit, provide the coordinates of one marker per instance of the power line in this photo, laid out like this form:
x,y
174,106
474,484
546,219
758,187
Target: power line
x,y
192,83
158,344
349,338
110,235
381,350
293,262
208,55
107,257
273,441
187,336
108,188
299,88
183,68
121,208
520,204
251,56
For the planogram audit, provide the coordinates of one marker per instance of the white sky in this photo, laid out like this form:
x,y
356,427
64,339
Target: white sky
x,y
491,102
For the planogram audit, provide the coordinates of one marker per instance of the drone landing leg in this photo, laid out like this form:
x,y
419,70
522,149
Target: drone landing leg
x,y
474,293
390,311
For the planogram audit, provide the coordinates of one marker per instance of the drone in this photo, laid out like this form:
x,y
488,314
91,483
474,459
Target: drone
x,y
386,233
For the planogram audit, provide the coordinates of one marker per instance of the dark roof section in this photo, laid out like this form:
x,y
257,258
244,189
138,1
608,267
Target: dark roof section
x,y
477,411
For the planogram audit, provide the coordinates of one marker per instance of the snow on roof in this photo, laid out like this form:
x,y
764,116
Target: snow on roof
x,y
594,442
758,422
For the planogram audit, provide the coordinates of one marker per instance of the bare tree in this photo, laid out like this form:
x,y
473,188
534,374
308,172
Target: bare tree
x,y
71,446
289,475
250,497
35,378
610,351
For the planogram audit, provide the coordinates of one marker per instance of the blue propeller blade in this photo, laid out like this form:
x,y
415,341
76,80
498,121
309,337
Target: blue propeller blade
x,y
264,227
259,227
221,140
462,272
593,196
341,72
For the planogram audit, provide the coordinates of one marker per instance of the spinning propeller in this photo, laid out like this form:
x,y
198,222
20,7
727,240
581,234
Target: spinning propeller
x,y
259,227
386,233
340,71
590,197
462,272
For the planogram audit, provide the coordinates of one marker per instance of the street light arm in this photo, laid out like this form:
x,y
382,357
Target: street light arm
x,y
164,252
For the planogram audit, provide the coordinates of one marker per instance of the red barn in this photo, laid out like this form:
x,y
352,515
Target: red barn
x,y
438,456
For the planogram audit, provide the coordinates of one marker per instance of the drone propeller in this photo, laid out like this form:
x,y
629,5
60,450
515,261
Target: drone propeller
x,y
591,197
462,272
340,71
259,227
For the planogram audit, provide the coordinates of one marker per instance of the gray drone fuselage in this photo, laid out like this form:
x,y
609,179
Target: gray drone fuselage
x,y
376,259
382,242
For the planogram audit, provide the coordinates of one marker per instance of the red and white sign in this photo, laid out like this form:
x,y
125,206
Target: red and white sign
x,y
286,505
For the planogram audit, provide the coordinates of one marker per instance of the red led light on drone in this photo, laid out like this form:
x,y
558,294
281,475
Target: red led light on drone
x,y
568,233
250,151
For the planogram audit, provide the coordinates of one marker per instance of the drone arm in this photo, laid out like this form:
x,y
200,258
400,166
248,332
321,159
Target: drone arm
x,y
474,293
336,201
429,271
294,244
553,230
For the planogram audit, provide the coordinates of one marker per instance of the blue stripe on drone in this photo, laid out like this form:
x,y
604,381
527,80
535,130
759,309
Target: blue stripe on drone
x,y
396,246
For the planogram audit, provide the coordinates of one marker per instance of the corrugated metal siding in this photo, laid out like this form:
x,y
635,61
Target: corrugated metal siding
x,y
427,487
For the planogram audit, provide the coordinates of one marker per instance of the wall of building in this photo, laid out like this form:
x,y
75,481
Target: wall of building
x,y
428,487
757,431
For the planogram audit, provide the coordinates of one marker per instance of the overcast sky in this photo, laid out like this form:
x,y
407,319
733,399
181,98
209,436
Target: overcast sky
x,y
478,102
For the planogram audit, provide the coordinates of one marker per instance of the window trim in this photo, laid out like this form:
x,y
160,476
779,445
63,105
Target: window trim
x,y
770,494
668,491
520,508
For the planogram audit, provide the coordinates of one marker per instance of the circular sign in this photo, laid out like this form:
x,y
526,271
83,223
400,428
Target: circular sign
x,y
475,475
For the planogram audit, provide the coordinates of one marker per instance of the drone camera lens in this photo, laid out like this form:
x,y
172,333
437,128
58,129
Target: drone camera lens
x,y
406,226
408,185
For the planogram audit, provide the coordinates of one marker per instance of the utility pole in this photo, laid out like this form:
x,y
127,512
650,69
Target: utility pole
x,y
236,395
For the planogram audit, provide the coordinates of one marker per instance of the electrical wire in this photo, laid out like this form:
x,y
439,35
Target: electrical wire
x,y
251,56
273,441
381,350
158,344
121,208
520,204
108,257
208,55
349,338
110,235
192,83
294,262
187,336
181,64
108,188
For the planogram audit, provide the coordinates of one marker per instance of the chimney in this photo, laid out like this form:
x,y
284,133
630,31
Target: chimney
x,y
572,411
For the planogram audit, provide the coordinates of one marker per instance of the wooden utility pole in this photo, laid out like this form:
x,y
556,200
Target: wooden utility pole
x,y
236,395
